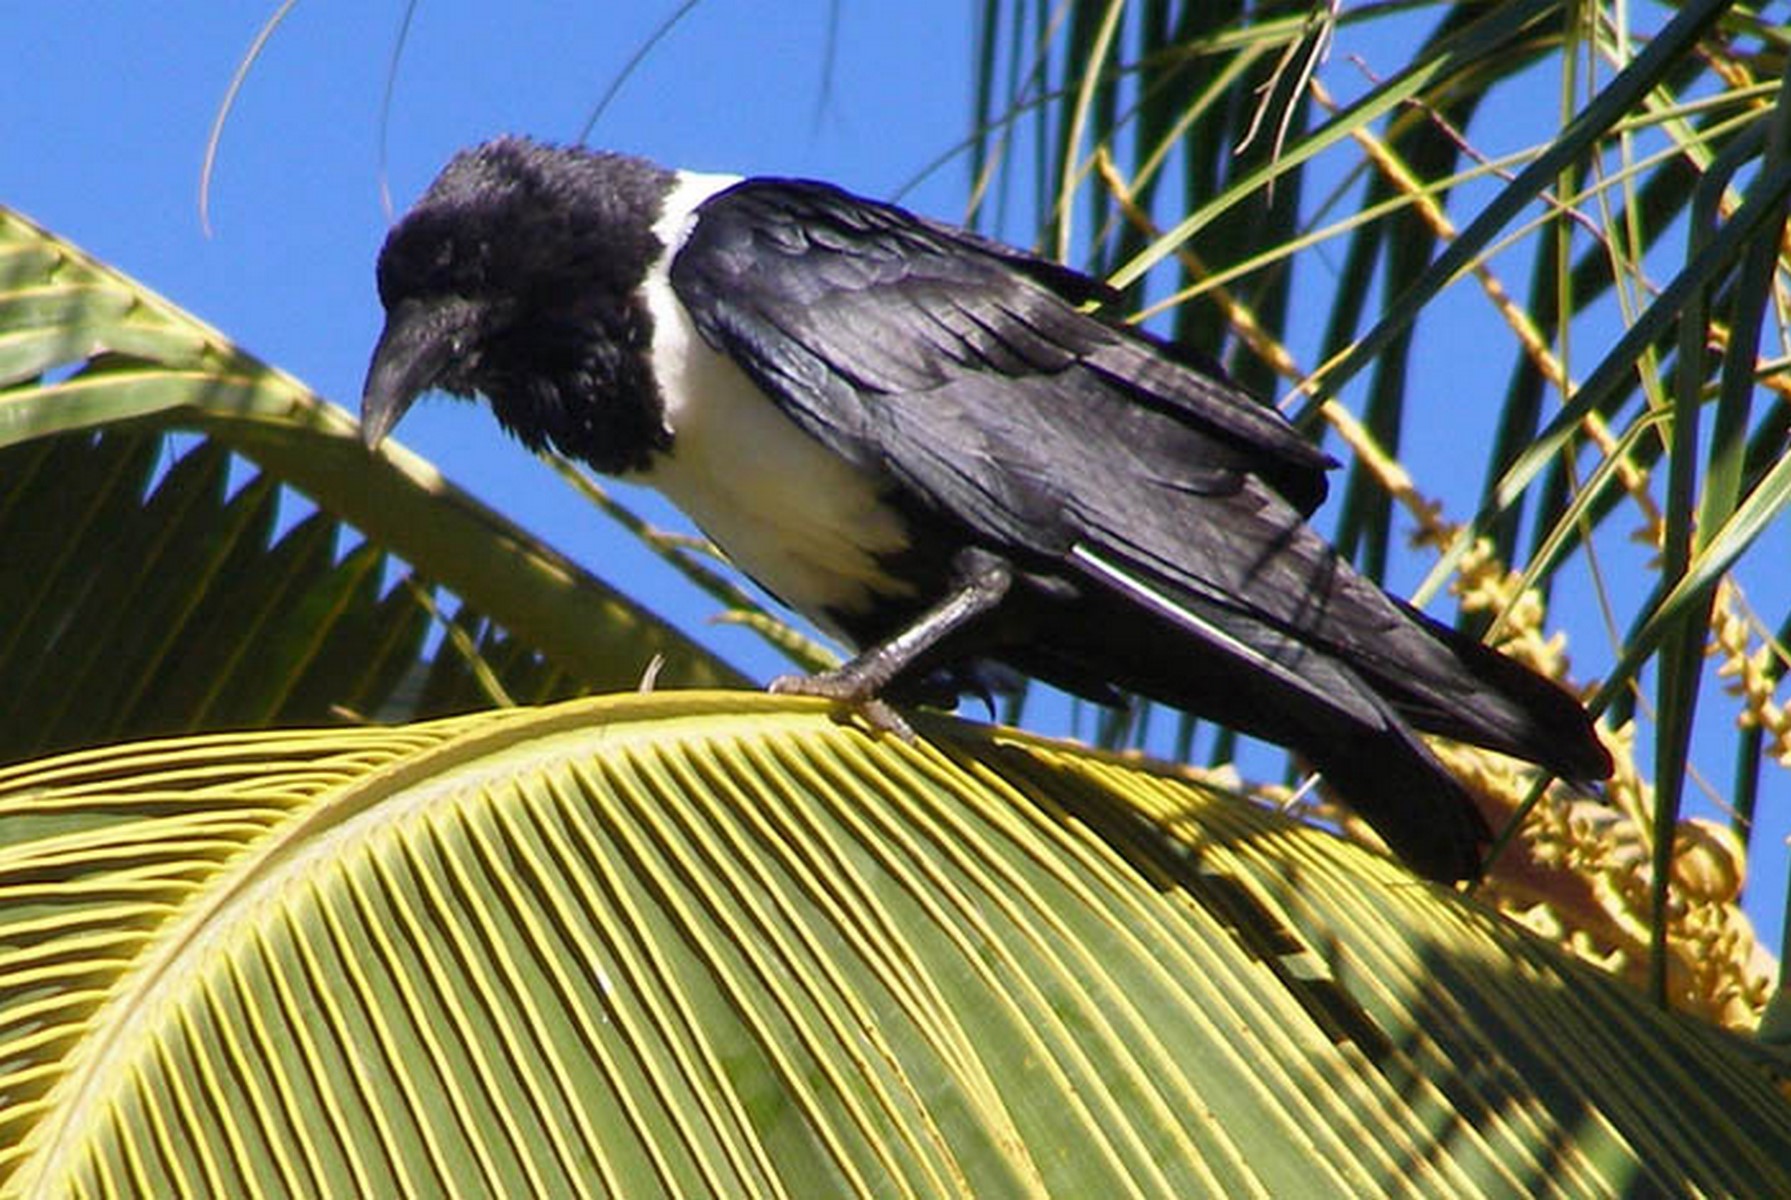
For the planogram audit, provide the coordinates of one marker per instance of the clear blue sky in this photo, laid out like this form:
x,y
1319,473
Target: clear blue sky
x,y
109,105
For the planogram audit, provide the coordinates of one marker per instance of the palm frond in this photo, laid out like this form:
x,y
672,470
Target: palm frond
x,y
689,944
158,579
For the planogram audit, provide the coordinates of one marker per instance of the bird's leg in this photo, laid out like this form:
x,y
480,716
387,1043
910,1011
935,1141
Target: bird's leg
x,y
858,683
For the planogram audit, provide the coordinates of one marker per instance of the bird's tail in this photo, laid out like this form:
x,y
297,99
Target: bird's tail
x,y
1345,690
1265,683
1467,691
1329,717
1393,781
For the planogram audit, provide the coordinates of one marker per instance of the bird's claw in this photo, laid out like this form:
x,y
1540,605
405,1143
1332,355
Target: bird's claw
x,y
874,711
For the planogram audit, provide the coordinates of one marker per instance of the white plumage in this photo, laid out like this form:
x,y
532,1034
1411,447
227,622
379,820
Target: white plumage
x,y
789,512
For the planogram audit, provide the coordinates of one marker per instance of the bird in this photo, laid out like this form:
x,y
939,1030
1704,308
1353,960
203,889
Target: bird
x,y
951,454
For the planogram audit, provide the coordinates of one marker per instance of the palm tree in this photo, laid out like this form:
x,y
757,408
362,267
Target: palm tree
x,y
712,943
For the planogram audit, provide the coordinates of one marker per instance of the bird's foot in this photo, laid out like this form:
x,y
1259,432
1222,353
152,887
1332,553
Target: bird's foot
x,y
858,684
849,692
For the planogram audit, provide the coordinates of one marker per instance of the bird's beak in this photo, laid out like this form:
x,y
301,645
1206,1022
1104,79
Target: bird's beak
x,y
416,348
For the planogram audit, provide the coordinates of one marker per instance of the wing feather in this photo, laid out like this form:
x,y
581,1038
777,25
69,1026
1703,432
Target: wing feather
x,y
834,303
978,377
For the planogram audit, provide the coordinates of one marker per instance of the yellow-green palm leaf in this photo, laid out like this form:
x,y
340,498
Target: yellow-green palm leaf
x,y
697,945
148,584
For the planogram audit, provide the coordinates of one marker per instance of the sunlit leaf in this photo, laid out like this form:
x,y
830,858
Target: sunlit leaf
x,y
700,945
150,588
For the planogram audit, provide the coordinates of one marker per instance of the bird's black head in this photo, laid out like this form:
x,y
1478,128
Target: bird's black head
x,y
517,277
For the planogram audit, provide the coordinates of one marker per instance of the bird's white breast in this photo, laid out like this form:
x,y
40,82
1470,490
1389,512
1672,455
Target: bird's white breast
x,y
801,520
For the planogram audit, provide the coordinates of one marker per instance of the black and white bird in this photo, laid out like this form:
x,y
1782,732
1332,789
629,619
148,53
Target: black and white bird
x,y
946,452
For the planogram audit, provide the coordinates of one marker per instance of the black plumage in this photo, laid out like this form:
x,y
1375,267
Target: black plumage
x,y
945,450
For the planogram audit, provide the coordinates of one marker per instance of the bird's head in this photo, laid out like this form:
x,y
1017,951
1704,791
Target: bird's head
x,y
516,277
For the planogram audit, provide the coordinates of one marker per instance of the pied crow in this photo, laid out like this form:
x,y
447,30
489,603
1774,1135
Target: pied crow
x,y
948,453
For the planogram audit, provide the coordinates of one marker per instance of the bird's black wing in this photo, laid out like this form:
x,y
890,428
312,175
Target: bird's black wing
x,y
838,306
976,376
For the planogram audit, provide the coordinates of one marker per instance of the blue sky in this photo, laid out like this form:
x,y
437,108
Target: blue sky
x,y
108,116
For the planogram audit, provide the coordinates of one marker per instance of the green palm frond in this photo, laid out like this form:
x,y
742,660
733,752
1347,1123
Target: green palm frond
x,y
145,467
722,945
174,605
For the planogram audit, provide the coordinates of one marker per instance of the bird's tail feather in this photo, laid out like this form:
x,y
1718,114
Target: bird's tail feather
x,y
1326,715
1499,703
1268,684
1399,787
1439,680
